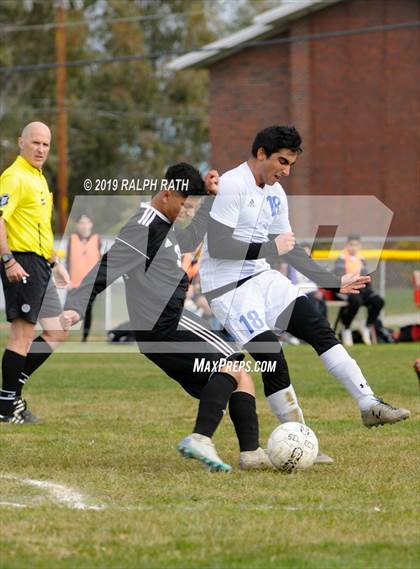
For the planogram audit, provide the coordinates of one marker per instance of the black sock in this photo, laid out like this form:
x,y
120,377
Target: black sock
x,y
213,402
12,364
243,412
39,351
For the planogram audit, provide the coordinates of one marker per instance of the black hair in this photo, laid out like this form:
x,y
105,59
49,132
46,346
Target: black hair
x,y
274,138
187,173
353,237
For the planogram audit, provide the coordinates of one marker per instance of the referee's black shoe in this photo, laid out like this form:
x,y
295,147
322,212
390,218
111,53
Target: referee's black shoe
x,y
16,416
20,415
28,416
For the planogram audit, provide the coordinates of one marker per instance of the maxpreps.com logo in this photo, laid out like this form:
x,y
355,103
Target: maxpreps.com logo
x,y
203,365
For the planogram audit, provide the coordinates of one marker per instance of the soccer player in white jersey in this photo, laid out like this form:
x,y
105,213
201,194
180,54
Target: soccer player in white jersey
x,y
249,223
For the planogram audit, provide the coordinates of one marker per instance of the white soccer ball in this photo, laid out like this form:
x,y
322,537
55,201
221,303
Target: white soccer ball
x,y
291,446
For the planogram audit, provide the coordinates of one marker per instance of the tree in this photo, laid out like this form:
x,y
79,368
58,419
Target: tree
x,y
125,119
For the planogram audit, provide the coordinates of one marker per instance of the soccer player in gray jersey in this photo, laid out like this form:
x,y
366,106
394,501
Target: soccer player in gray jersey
x,y
147,252
249,223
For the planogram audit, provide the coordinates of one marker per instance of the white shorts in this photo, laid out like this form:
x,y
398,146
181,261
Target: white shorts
x,y
254,307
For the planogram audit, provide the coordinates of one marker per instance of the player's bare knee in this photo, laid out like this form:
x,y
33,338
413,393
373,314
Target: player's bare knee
x,y
246,383
21,336
20,345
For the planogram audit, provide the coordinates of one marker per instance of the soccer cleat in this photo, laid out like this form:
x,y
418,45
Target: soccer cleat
x,y
28,416
347,337
255,460
202,448
20,414
11,419
382,413
322,458
16,417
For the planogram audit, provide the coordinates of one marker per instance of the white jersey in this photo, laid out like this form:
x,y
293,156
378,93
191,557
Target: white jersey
x,y
254,213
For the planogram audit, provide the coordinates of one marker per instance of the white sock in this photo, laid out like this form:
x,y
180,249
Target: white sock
x,y
285,406
344,368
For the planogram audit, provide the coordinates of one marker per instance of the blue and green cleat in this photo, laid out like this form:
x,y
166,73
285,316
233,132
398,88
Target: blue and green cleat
x,y
202,448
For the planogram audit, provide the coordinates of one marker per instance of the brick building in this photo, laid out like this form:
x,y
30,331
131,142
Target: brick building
x,y
354,95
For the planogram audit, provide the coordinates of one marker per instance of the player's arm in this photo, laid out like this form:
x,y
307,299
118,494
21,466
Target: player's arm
x,y
9,201
222,244
14,271
79,299
190,237
301,261
127,253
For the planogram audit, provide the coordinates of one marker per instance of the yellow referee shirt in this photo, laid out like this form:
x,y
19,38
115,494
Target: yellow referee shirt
x,y
26,206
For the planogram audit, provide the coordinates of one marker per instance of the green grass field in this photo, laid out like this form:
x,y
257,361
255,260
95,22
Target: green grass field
x,y
111,422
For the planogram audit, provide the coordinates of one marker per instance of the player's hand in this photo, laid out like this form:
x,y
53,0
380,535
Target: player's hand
x,y
61,276
285,242
211,181
68,318
352,283
15,272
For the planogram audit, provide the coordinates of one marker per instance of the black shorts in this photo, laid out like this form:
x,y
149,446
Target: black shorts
x,y
38,297
303,320
191,354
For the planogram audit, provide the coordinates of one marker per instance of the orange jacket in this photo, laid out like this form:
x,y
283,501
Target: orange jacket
x,y
82,256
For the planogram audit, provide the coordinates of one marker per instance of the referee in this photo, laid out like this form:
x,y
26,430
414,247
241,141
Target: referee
x,y
26,249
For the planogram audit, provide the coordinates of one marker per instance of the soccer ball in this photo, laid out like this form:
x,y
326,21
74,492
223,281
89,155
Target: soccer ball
x,y
291,446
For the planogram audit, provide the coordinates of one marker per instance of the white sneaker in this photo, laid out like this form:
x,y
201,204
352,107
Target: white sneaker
x,y
202,448
382,413
365,332
255,460
347,337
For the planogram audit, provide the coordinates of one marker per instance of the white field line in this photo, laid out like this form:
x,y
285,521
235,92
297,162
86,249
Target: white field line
x,y
64,495
254,508
238,507
12,504
57,492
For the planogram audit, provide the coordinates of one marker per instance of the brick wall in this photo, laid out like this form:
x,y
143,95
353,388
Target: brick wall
x,y
248,91
355,99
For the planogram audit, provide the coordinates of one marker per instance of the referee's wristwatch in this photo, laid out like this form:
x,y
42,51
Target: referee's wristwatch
x,y
7,257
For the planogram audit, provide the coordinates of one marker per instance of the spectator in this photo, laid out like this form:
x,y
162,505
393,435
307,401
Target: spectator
x,y
352,261
83,252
